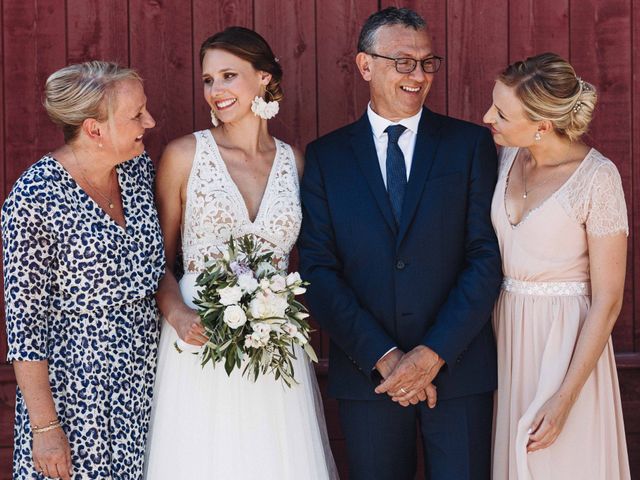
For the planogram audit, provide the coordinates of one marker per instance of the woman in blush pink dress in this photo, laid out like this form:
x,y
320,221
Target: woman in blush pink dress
x,y
561,221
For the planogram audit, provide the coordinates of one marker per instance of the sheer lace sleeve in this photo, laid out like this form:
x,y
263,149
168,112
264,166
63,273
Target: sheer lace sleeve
x,y
607,211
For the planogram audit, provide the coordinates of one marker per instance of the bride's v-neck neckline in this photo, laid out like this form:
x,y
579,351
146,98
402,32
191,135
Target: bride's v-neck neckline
x,y
541,204
267,187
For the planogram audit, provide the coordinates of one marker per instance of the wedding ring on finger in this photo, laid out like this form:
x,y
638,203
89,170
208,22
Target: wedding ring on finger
x,y
403,390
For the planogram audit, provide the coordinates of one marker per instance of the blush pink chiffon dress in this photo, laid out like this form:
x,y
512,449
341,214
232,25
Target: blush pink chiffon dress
x,y
541,309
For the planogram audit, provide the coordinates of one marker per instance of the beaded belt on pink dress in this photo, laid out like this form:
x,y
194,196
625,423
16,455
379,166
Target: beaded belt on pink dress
x,y
565,289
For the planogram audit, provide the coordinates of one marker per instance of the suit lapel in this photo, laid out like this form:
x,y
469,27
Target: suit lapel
x,y
423,157
367,158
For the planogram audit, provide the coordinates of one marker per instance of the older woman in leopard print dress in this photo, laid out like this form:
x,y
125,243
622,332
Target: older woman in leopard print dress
x,y
82,259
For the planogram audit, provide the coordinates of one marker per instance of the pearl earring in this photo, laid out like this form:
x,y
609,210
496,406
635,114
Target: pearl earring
x,y
537,136
214,120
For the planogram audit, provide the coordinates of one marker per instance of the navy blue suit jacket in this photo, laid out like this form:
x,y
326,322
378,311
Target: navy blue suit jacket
x,y
432,280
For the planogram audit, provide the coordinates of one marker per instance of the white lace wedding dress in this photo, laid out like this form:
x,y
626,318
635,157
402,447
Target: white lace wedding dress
x,y
205,424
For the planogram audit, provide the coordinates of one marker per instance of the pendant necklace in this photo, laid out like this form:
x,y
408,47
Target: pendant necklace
x,y
526,191
93,187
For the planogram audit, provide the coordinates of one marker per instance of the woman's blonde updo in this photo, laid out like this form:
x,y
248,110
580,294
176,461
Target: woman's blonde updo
x,y
250,46
549,89
81,91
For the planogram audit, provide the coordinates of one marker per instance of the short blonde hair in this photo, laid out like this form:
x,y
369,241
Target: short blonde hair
x,y
549,89
84,90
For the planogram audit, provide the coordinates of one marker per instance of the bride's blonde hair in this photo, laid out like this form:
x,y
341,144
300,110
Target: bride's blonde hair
x,y
549,89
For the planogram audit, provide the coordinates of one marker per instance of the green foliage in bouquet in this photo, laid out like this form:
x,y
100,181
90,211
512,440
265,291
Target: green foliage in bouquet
x,y
250,314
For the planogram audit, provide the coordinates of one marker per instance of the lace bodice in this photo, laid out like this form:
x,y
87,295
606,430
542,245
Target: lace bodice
x,y
592,196
215,209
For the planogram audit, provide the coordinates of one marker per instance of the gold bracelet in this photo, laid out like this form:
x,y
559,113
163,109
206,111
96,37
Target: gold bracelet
x,y
50,426
46,429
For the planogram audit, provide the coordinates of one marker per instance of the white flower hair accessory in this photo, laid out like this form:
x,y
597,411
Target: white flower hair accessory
x,y
263,109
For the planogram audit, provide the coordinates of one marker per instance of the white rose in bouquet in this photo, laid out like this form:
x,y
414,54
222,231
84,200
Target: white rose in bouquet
x,y
278,283
247,283
234,316
267,304
230,295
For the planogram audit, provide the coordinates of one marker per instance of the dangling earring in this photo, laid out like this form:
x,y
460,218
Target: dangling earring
x,y
263,109
537,137
214,119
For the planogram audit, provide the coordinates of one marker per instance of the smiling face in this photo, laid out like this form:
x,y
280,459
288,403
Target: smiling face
x,y
396,95
128,120
508,120
231,84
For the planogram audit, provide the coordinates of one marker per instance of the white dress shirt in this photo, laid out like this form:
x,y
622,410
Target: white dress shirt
x,y
406,142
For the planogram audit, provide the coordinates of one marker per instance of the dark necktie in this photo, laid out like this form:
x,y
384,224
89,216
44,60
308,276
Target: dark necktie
x,y
396,170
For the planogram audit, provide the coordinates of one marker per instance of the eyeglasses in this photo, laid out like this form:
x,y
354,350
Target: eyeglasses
x,y
408,65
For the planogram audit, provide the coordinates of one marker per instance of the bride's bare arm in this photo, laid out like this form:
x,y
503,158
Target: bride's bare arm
x,y
171,182
607,262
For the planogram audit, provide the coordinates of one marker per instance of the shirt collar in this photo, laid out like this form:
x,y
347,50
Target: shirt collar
x,y
379,124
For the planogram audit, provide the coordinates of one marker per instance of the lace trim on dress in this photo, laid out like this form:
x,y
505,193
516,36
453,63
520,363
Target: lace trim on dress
x,y
592,195
215,209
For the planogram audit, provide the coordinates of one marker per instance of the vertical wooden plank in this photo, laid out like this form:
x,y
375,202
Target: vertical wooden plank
x,y
344,94
97,31
3,331
606,28
289,27
477,50
160,39
34,47
435,14
7,407
209,18
537,26
633,201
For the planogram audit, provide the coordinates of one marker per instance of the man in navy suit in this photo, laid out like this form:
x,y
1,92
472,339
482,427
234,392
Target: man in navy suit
x,y
404,267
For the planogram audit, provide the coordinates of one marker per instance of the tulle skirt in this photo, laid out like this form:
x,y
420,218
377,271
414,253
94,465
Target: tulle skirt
x,y
208,425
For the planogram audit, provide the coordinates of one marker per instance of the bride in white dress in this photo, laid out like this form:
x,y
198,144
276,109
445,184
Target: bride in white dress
x,y
234,179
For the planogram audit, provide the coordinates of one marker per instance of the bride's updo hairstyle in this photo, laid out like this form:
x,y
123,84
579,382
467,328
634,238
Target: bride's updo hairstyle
x,y
549,89
249,46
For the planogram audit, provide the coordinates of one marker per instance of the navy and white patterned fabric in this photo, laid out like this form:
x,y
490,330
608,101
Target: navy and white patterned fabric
x,y
79,292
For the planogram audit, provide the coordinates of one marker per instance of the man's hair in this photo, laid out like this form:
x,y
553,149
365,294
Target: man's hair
x,y
388,16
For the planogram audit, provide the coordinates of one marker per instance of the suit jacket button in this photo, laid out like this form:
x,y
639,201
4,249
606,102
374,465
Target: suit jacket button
x,y
400,264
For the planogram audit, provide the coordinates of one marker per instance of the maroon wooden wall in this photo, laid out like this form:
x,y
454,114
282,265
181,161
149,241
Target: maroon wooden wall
x,y
315,41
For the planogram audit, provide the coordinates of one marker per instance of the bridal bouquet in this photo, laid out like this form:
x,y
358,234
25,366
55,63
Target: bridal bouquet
x,y
249,312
